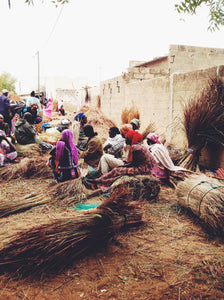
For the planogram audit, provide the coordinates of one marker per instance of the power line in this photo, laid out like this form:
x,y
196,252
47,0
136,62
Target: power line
x,y
58,17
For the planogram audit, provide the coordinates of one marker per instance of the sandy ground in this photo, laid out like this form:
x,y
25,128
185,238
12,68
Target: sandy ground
x,y
170,256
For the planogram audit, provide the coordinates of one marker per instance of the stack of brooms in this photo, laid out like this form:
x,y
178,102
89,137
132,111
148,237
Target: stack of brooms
x,y
203,123
53,247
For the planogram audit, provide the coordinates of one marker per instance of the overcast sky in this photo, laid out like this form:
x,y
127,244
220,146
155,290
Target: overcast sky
x,y
93,38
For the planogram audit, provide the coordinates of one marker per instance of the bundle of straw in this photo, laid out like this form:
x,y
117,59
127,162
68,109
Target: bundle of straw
x,y
128,114
72,191
29,150
148,129
52,247
29,201
204,196
203,122
27,167
140,187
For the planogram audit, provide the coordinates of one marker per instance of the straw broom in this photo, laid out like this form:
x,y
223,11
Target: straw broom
x,y
148,129
12,207
203,123
204,196
27,167
53,247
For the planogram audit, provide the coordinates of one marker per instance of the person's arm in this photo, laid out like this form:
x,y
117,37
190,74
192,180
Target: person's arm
x,y
12,147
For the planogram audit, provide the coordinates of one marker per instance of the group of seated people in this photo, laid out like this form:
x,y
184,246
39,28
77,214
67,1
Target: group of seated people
x,y
123,153
22,128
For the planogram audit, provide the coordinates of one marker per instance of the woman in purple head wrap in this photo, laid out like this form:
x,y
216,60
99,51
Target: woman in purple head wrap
x,y
64,159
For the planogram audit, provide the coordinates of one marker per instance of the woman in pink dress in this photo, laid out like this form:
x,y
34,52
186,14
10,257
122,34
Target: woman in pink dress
x,y
48,111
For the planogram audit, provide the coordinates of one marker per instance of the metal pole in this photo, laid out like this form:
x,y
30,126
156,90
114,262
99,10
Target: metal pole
x,y
38,73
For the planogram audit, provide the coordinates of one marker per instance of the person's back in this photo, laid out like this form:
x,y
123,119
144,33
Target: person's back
x,y
33,100
24,131
5,106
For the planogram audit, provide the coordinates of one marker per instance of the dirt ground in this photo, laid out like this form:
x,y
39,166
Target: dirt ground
x,y
170,256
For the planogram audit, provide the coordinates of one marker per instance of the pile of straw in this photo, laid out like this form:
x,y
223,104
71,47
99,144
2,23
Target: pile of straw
x,y
98,120
29,150
203,122
128,114
204,196
19,205
26,168
139,187
54,246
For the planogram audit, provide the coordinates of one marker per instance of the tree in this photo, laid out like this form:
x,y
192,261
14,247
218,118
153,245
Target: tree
x,y
216,10
7,81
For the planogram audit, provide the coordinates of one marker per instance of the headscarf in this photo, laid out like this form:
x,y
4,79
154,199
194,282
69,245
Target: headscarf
x,y
136,122
66,137
79,116
153,136
135,137
125,128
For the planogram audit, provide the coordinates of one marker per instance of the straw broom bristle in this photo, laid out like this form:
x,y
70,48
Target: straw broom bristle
x,y
26,168
148,129
203,122
12,207
128,114
52,247
204,196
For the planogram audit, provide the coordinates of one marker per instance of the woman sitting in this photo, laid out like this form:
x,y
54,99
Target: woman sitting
x,y
94,147
64,158
80,121
164,164
140,162
8,152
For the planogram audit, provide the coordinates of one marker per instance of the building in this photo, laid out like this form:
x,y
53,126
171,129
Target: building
x,y
160,87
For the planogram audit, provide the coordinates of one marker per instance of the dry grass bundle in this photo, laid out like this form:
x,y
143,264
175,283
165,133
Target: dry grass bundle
x,y
203,122
29,201
98,120
30,150
204,196
124,116
149,128
72,191
128,114
52,247
140,187
27,167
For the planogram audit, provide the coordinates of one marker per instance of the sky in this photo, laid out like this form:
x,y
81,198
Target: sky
x,y
93,38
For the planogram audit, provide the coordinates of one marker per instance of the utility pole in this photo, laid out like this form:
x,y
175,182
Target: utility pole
x,y
38,72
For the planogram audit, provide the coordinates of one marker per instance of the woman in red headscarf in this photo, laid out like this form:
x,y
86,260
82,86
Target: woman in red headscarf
x,y
140,162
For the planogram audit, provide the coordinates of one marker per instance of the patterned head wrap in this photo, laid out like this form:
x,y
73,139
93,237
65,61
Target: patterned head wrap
x,y
153,136
136,122
125,128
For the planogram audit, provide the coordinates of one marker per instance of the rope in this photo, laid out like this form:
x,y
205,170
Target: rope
x,y
212,188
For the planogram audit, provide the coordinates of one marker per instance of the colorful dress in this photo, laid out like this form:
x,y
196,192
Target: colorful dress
x,y
142,163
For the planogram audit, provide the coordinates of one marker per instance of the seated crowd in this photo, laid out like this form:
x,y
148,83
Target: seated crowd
x,y
123,153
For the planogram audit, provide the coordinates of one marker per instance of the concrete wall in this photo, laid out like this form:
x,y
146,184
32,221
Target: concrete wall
x,y
188,58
